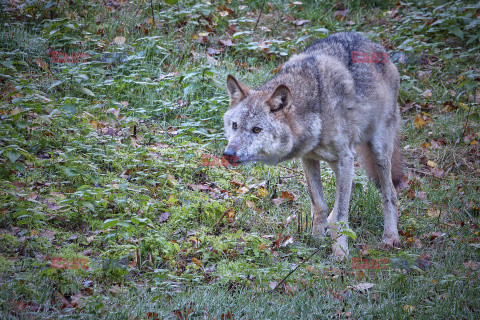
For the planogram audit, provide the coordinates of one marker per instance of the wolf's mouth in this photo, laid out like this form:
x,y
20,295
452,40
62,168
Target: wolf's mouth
x,y
232,159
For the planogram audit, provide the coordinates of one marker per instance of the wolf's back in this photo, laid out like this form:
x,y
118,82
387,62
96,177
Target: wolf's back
x,y
342,45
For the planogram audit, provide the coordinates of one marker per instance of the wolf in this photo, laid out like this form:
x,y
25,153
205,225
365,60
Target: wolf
x,y
322,106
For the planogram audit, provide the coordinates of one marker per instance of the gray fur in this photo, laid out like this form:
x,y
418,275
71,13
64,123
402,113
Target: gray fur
x,y
321,106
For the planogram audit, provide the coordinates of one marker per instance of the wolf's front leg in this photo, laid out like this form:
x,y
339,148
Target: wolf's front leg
x,y
344,172
311,169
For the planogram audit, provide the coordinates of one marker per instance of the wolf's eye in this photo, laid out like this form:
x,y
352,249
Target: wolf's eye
x,y
234,125
256,129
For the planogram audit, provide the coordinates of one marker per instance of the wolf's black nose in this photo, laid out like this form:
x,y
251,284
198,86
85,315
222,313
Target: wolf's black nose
x,y
229,153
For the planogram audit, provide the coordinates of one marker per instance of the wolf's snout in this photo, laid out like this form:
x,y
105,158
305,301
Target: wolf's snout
x,y
229,153
231,156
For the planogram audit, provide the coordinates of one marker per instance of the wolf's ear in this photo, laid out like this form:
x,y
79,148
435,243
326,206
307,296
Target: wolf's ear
x,y
236,90
281,99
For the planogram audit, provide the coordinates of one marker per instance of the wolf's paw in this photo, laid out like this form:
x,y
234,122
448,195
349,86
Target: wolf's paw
x,y
340,248
392,241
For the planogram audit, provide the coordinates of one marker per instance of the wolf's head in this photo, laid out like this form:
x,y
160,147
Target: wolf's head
x,y
257,124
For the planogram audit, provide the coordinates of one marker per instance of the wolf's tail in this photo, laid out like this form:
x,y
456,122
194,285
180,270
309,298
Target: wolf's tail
x,y
398,177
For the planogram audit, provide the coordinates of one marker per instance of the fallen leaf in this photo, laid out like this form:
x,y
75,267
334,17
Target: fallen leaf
x,y
287,195
288,240
273,284
210,268
432,164
226,42
172,179
340,14
408,308
471,265
438,173
463,106
115,290
433,235
119,40
278,201
262,192
427,93
115,112
417,244
163,217
214,51
49,234
424,75
363,287
72,238
43,65
198,187
196,261
433,213
152,315
419,123
65,302
290,219
87,92
19,305
422,263
421,195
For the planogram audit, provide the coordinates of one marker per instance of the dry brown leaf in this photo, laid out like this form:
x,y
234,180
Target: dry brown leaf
x,y
438,173
340,14
115,290
417,244
419,123
226,42
433,213
471,265
43,65
427,93
432,164
196,261
119,40
273,284
408,308
287,195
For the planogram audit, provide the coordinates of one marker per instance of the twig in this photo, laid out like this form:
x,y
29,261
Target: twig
x,y
465,125
292,176
422,172
293,270
258,19
306,222
220,219
289,169
153,15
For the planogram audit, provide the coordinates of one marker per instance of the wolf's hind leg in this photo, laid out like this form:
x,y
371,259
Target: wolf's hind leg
x,y
382,150
319,209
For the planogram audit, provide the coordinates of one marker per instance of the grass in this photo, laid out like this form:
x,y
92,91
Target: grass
x,y
111,200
